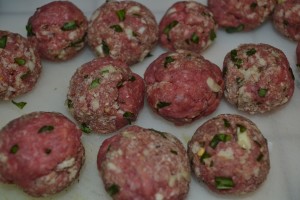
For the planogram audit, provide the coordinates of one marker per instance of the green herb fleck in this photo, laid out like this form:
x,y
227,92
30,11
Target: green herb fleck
x,y
224,183
113,189
162,104
168,60
46,128
226,123
69,103
117,28
129,116
20,61
29,30
262,92
68,26
204,156
162,134
219,138
169,27
212,35
25,75
242,128
20,105
105,48
132,78
174,152
104,71
195,38
251,52
238,28
3,41
85,128
77,42
14,149
121,14
237,61
95,83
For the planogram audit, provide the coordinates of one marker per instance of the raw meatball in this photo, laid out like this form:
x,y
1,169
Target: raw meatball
x,y
187,25
20,65
140,163
258,78
58,29
229,154
286,19
124,30
183,86
41,152
241,15
105,95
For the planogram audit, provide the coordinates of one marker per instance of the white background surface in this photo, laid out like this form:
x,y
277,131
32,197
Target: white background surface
x,y
280,127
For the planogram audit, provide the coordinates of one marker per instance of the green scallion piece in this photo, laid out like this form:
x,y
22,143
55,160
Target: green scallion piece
x,y
117,28
20,61
20,105
46,128
132,78
226,123
162,134
212,35
242,128
129,116
219,138
224,183
113,189
14,149
121,14
251,52
95,83
29,30
238,28
237,61
105,48
262,92
3,41
168,60
169,27
174,152
85,128
204,156
68,26
195,38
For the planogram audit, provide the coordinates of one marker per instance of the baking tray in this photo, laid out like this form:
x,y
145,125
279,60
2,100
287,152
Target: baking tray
x,y
280,127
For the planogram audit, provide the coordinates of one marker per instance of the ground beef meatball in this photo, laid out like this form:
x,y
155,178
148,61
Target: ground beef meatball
x,y
105,95
183,86
58,29
286,19
241,15
229,154
258,78
124,30
140,163
41,152
187,25
20,65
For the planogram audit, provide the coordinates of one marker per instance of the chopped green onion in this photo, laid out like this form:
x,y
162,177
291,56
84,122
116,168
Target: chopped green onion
x,y
162,104
20,105
14,149
120,84
132,78
95,83
68,26
162,134
174,152
46,128
262,92
129,116
77,42
117,28
204,156
251,52
224,183
212,35
219,138
168,60
29,30
25,75
104,71
20,61
242,128
113,189
105,48
224,71
237,61
121,14
3,41
238,28
69,103
169,27
195,38
85,128
226,123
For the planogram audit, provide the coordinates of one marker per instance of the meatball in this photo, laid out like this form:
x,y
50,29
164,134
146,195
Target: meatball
x,y
58,30
229,154
140,163
20,65
41,152
105,95
124,30
258,78
187,25
182,86
241,15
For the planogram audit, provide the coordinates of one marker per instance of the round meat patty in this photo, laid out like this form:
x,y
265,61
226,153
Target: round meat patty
x,y
286,19
229,154
105,95
183,86
258,78
58,29
140,163
41,152
124,30
187,25
20,65
241,15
